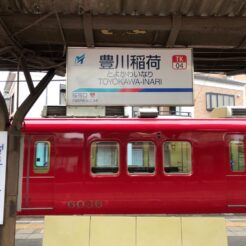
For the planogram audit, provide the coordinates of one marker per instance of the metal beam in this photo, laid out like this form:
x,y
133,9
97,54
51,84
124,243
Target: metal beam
x,y
164,23
20,51
176,26
33,24
152,23
223,59
6,49
62,34
242,43
7,34
27,76
31,99
117,22
88,29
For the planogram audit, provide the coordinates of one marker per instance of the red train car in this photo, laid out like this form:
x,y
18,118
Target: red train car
x,y
133,166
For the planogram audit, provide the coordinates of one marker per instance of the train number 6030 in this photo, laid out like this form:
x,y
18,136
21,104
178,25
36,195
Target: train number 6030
x,y
85,204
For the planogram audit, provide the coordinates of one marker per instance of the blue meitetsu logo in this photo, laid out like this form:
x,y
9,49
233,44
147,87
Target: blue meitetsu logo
x,y
79,59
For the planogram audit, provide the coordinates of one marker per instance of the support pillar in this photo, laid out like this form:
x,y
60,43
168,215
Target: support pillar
x,y
7,231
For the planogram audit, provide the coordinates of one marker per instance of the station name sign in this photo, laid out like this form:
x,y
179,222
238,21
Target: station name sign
x,y
3,159
112,76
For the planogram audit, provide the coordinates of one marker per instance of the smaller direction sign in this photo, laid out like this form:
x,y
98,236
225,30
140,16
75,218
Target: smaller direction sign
x,y
3,158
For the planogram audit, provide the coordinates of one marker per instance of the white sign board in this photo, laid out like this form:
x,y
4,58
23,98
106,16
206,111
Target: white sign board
x,y
3,159
122,76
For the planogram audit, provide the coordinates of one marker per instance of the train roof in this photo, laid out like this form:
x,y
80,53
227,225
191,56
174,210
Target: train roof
x,y
136,124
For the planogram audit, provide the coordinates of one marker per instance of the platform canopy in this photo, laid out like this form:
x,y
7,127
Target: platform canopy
x,y
38,32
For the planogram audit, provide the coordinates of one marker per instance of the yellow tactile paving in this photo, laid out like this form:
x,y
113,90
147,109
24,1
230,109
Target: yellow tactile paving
x,y
134,231
158,231
203,231
66,231
112,231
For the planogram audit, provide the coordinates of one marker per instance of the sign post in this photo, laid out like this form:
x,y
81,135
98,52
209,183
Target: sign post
x,y
3,159
125,76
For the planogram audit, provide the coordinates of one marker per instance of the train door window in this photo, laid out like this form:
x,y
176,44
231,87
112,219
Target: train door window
x,y
177,157
237,159
141,157
42,157
104,157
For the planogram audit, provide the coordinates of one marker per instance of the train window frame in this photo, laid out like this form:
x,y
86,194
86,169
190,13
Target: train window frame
x,y
230,155
136,167
175,173
41,169
98,171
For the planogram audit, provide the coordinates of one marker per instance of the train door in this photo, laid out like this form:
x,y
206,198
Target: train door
x,y
236,171
39,173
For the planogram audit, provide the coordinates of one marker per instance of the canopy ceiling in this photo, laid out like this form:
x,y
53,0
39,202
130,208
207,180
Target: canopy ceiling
x,y
36,33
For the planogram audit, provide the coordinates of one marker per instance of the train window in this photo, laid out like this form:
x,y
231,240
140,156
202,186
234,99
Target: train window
x,y
177,157
141,157
42,157
104,157
237,160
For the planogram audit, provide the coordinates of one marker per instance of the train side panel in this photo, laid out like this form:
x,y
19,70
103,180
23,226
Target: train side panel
x,y
80,182
161,192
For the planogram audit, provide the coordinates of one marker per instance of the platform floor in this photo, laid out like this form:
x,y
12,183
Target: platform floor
x,y
29,230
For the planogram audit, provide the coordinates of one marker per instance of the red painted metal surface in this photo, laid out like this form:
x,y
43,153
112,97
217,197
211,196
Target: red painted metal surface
x,y
70,188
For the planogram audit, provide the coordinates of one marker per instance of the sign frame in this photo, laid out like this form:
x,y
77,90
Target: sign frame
x,y
3,164
129,77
